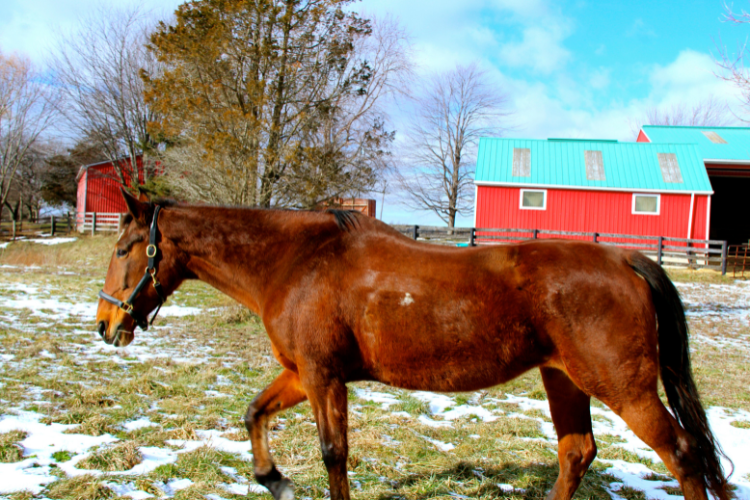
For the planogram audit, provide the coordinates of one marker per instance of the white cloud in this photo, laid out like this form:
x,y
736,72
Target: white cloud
x,y
565,108
540,49
692,74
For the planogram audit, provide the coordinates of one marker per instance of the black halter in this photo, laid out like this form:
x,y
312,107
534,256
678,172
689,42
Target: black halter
x,y
150,273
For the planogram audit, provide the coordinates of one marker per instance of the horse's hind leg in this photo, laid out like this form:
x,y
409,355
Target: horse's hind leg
x,y
283,393
571,415
654,425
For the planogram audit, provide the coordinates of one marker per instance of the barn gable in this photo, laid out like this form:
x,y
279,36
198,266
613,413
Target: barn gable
x,y
715,144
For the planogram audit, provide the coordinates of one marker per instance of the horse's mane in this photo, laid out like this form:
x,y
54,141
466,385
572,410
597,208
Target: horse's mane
x,y
345,219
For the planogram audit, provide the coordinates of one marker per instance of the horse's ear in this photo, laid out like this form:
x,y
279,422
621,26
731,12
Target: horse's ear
x,y
143,197
137,208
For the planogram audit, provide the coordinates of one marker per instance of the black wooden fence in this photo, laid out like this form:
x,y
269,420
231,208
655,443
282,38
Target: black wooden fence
x,y
681,252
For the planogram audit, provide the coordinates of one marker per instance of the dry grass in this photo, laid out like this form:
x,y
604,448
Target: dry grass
x,y
85,487
112,458
10,450
88,252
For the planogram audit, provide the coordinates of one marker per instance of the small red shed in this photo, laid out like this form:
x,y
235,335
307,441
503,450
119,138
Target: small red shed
x,y
365,206
592,186
99,188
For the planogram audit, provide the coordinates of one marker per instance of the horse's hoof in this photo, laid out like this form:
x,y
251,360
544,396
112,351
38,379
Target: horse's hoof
x,y
282,490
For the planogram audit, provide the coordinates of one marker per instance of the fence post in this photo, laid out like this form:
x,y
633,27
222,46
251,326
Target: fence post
x,y
93,223
67,224
473,237
596,237
52,225
120,223
659,245
723,258
13,236
416,232
534,234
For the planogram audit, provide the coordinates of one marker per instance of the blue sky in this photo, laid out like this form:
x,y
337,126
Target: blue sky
x,y
569,68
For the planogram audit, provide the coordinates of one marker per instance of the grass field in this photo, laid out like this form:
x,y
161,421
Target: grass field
x,y
162,417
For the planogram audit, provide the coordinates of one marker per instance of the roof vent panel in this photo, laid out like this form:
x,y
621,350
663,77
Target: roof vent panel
x,y
594,166
670,168
714,137
521,162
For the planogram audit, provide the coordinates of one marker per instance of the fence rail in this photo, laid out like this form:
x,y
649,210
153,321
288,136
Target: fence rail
x,y
89,222
92,222
684,252
41,226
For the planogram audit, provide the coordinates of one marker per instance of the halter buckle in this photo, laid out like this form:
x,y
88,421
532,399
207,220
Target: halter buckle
x,y
152,272
151,251
128,308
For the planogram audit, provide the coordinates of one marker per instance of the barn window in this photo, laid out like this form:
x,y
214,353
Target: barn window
x,y
594,165
533,199
521,162
714,137
670,169
646,204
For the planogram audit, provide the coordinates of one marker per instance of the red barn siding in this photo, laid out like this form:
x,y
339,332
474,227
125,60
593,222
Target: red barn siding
x,y
590,211
99,188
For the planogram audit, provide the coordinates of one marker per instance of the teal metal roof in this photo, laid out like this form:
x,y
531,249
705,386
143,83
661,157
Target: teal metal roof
x,y
737,147
628,166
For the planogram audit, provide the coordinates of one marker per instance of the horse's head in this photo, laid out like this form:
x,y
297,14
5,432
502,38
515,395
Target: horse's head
x,y
140,275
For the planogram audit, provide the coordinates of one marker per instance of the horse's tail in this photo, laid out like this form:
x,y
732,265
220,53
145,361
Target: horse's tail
x,y
674,360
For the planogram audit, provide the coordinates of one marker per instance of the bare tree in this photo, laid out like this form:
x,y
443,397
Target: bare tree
x,y
26,192
710,112
346,150
452,111
26,111
732,67
98,68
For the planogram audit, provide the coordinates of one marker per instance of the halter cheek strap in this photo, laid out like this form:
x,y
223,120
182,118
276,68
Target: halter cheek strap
x,y
149,274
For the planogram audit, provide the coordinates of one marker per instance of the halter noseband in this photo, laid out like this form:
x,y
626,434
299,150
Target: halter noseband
x,y
150,273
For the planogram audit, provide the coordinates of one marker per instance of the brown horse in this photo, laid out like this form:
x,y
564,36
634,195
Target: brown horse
x,y
344,298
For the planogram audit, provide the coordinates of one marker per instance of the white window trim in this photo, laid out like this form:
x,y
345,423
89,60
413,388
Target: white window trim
x,y
520,199
658,204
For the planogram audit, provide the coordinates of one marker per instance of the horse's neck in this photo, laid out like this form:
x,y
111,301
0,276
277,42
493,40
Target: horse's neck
x,y
236,250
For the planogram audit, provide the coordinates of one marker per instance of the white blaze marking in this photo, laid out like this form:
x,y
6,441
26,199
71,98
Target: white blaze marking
x,y
407,300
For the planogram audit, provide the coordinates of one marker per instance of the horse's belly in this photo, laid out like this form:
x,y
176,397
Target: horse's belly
x,y
458,345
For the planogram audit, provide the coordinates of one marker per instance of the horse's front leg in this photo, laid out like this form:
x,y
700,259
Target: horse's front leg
x,y
329,404
283,393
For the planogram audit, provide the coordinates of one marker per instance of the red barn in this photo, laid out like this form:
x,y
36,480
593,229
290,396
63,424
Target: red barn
x,y
725,153
592,186
99,188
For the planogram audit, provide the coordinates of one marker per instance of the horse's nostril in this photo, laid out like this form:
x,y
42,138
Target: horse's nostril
x,y
102,328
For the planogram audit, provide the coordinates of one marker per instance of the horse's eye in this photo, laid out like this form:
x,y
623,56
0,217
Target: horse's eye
x,y
121,253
